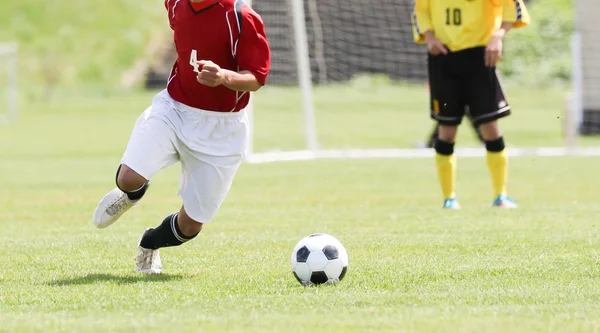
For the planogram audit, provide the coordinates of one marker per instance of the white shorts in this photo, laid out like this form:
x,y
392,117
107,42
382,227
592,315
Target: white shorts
x,y
210,145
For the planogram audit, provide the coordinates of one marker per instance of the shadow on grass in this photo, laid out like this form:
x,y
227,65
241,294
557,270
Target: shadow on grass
x,y
118,279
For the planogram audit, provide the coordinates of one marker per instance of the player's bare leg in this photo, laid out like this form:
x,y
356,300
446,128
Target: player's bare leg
x,y
434,133
445,161
490,131
175,230
448,133
131,187
497,161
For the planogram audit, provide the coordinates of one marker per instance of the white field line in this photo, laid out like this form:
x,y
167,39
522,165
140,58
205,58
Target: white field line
x,y
303,155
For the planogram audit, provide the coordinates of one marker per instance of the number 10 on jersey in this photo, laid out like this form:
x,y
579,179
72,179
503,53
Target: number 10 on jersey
x,y
453,16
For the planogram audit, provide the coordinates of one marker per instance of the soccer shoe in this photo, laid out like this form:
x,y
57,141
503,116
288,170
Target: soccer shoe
x,y
451,203
504,201
111,207
147,261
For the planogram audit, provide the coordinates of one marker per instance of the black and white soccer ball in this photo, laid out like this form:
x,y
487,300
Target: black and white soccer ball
x,y
319,259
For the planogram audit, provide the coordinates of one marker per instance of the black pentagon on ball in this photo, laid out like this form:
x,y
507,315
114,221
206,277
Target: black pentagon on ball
x,y
315,235
302,254
331,252
343,273
318,277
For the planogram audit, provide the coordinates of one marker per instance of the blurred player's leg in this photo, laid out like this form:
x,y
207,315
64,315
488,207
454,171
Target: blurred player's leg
x,y
497,161
433,136
445,161
447,107
475,127
212,146
150,149
488,105
434,133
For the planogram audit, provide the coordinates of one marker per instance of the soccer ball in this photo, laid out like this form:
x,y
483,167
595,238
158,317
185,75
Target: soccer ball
x,y
318,259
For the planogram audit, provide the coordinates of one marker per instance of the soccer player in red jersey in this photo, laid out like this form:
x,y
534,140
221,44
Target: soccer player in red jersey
x,y
199,120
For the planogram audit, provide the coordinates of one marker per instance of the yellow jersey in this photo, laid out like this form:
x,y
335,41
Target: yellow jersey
x,y
464,24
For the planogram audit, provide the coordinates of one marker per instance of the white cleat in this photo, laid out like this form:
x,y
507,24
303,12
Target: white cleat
x,y
148,261
111,207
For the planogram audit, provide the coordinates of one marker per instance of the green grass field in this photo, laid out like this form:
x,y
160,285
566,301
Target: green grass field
x,y
413,267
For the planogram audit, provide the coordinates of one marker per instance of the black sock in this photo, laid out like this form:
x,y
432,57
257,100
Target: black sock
x,y
433,137
165,235
495,146
443,147
135,194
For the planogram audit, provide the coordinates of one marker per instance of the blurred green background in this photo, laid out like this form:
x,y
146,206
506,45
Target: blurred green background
x,y
85,47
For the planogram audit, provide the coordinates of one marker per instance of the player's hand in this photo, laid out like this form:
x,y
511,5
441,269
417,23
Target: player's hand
x,y
211,74
493,51
434,45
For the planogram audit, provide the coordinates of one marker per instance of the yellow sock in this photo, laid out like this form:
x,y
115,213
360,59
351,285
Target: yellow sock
x,y
446,167
498,165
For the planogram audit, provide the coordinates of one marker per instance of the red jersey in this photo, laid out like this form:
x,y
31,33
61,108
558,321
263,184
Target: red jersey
x,y
226,32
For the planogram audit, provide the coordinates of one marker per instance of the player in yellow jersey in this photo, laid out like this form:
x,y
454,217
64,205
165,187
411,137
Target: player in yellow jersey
x,y
464,39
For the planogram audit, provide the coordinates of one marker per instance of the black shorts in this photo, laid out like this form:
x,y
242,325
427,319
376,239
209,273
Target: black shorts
x,y
460,80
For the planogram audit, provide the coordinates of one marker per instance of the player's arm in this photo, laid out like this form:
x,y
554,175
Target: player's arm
x,y
253,57
212,75
423,28
253,53
514,15
421,20
241,81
